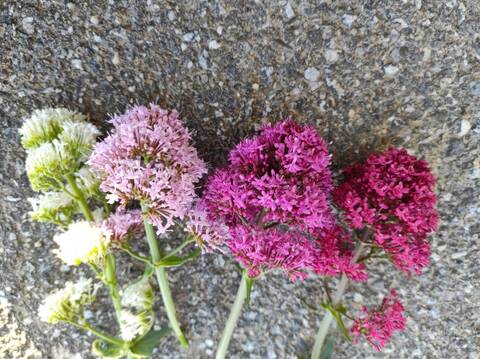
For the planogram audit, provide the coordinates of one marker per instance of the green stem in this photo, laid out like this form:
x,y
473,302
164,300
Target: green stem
x,y
162,280
101,335
137,256
109,277
111,281
179,248
233,318
80,197
328,318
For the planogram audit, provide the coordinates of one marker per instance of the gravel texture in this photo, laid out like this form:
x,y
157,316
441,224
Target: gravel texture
x,y
367,73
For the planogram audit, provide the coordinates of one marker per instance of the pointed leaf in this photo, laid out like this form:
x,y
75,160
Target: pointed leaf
x,y
143,347
174,261
341,325
337,314
107,350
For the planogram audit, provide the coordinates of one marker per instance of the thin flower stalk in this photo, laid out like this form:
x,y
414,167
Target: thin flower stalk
x,y
233,318
328,318
109,275
162,280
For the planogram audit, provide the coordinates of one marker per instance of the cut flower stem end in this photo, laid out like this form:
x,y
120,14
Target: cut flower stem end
x,y
233,317
162,280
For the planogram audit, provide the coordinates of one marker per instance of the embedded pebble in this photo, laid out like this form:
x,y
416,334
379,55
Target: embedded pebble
x,y
311,74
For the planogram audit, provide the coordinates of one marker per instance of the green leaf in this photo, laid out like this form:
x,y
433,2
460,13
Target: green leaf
x,y
107,350
143,347
327,350
250,282
341,309
337,313
174,261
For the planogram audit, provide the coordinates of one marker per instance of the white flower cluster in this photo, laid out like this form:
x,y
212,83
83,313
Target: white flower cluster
x,y
58,142
137,316
55,207
133,325
45,125
67,304
138,295
83,242
87,181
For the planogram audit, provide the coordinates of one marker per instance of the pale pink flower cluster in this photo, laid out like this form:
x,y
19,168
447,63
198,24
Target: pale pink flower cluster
x,y
148,158
210,235
124,225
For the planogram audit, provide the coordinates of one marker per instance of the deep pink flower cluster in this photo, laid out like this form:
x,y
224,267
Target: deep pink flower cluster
x,y
261,250
148,158
334,256
124,224
392,194
282,174
274,196
378,325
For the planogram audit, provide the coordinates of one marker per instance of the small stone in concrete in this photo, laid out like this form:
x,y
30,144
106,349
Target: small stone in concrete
x,y
348,19
188,36
27,25
213,45
116,59
311,74
390,70
289,11
331,56
464,128
77,64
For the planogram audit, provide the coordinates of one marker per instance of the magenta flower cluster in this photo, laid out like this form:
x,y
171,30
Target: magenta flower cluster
x,y
275,198
148,158
391,193
282,174
378,325
259,250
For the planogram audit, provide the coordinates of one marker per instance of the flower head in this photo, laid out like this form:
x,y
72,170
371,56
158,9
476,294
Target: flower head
x,y
260,250
45,125
282,174
378,325
138,295
209,234
124,224
392,193
67,304
274,197
134,325
87,182
83,242
335,256
55,207
148,158
58,142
